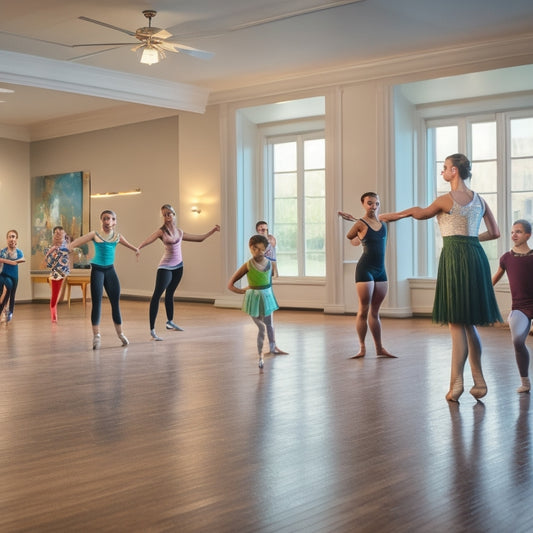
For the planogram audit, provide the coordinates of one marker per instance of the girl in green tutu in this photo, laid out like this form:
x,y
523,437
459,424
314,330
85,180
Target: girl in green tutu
x,y
464,297
259,300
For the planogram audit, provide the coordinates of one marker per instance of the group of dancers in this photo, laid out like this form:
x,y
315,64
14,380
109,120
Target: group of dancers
x,y
464,296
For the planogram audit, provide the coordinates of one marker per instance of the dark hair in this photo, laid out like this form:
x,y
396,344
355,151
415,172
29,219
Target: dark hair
x,y
261,222
367,194
58,227
258,239
462,163
107,212
525,224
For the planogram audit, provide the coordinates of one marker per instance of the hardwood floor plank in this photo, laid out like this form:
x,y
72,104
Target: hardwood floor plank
x,y
188,435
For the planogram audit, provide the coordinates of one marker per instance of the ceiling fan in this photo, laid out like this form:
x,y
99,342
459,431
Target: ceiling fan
x,y
153,41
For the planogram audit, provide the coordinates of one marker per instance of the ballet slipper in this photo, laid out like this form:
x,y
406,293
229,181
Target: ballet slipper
x,y
479,389
277,351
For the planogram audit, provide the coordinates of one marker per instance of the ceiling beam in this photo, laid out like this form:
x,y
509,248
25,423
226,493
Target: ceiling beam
x,y
34,71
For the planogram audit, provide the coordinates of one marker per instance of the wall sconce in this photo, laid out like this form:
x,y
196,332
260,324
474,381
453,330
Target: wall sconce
x,y
196,210
118,193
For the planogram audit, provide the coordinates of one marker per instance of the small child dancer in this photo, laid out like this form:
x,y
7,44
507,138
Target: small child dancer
x,y
518,264
58,261
259,300
10,257
103,274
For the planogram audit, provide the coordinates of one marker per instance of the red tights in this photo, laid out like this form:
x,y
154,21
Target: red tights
x,y
56,289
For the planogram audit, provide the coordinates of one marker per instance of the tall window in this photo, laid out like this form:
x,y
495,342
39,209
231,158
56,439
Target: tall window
x,y
297,178
501,151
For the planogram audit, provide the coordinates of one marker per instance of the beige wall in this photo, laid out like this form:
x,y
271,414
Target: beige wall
x,y
149,155
15,206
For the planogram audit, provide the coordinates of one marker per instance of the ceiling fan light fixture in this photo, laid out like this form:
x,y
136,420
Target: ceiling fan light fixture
x,y
150,56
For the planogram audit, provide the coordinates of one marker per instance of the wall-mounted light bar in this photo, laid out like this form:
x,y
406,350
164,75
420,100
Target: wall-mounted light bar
x,y
118,193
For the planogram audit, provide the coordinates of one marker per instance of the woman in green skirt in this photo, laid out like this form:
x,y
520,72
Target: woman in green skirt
x,y
464,297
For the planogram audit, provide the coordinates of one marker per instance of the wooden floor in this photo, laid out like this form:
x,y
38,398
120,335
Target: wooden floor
x,y
188,435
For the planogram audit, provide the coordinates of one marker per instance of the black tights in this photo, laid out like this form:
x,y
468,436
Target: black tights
x,y
105,278
166,281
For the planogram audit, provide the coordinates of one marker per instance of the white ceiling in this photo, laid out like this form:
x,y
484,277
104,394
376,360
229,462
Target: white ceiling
x,y
254,42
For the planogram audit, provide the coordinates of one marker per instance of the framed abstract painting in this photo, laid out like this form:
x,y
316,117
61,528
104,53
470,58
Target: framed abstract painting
x,y
58,200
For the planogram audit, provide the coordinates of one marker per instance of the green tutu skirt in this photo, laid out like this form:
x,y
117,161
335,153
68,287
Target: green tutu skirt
x,y
259,302
464,293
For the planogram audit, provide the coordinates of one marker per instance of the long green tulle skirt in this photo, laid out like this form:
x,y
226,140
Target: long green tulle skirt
x,y
464,293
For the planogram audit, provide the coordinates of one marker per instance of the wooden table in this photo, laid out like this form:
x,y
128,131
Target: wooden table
x,y
76,280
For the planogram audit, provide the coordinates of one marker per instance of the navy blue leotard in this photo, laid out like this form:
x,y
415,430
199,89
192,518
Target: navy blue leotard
x,y
371,265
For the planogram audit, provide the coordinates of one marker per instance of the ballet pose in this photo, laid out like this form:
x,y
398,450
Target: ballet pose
x,y
259,300
103,274
518,264
370,275
58,261
464,295
170,269
10,258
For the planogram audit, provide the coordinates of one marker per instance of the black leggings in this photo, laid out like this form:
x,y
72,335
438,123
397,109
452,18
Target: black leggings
x,y
104,277
166,281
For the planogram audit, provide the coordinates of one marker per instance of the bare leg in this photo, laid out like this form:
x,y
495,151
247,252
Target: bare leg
x,y
365,289
374,322
474,358
520,327
459,355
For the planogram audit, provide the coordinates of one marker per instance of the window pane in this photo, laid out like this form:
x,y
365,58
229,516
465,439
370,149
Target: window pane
x,y
522,137
522,174
285,211
286,185
286,249
285,159
522,206
447,141
484,140
484,177
315,183
314,154
315,264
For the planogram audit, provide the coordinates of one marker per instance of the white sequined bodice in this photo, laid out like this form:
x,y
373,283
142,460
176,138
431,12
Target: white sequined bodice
x,y
462,219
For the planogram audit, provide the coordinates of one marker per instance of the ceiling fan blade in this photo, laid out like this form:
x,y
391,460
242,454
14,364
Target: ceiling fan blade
x,y
100,44
106,25
162,34
189,50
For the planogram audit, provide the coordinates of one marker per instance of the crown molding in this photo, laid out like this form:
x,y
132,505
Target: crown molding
x,y
96,120
33,71
435,63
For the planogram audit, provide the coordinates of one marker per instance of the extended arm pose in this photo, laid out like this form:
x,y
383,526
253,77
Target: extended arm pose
x,y
518,264
370,275
170,269
464,296
103,274
259,300
10,257
57,260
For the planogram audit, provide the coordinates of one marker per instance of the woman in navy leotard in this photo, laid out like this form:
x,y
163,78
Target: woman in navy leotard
x,y
370,276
